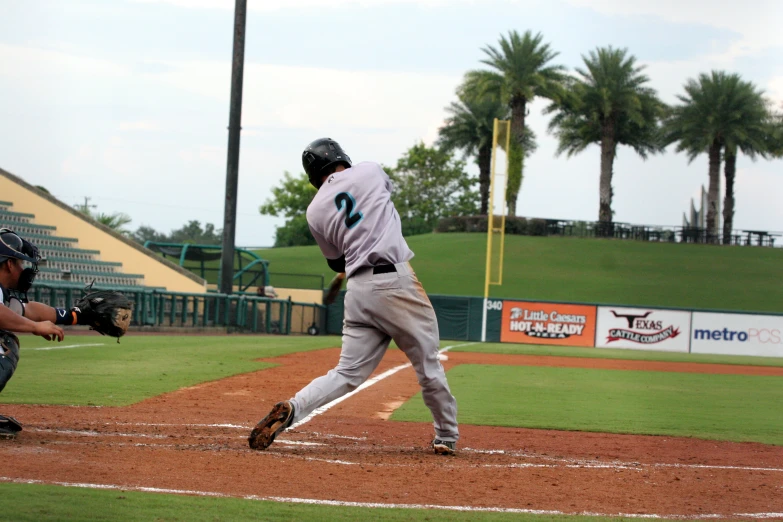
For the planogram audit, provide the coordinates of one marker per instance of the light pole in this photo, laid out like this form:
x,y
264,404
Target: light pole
x,y
232,167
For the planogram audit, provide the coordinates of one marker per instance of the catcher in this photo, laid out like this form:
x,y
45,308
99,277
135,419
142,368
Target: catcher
x,y
19,261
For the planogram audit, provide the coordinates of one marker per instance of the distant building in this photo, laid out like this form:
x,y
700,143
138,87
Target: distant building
x,y
697,218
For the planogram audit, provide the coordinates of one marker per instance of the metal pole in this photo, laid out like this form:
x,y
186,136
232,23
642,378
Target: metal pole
x,y
232,168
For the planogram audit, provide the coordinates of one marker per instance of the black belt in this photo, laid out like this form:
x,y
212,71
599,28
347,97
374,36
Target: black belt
x,y
383,269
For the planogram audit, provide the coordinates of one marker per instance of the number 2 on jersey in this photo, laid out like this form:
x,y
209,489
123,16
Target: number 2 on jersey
x,y
344,199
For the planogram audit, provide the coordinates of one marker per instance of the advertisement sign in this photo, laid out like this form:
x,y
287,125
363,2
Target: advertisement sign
x,y
737,334
548,323
643,329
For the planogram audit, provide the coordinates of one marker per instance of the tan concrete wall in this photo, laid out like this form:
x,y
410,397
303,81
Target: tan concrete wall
x,y
300,296
297,294
135,259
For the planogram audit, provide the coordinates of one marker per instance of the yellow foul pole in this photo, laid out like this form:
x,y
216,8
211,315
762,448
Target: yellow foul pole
x,y
491,209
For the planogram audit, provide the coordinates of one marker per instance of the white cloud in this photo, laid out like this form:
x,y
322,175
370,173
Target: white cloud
x,y
76,162
276,5
320,99
775,90
142,125
39,64
757,21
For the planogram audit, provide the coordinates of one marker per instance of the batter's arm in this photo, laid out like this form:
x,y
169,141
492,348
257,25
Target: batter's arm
x,y
338,265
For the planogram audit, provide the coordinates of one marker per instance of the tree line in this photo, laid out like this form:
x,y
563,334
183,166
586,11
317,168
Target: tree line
x,y
191,232
607,101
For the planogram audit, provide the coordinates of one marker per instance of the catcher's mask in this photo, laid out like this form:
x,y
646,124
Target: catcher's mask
x,y
13,246
319,156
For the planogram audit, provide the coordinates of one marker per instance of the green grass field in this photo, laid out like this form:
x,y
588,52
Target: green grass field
x,y
37,503
614,353
141,367
586,270
720,407
145,366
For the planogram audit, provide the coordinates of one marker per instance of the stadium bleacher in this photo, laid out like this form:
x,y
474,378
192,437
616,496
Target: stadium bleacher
x,y
64,263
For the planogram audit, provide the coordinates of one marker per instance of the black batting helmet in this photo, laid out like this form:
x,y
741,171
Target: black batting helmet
x,y
319,156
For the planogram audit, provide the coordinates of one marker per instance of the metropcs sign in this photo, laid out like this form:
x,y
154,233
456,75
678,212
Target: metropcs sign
x,y
737,334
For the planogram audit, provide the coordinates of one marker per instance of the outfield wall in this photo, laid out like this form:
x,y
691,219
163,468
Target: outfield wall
x,y
600,326
637,328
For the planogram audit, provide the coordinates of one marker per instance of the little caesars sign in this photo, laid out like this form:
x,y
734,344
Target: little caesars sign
x,y
548,323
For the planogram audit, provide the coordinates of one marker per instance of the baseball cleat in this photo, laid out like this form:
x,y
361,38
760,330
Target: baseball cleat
x,y
281,417
444,447
9,427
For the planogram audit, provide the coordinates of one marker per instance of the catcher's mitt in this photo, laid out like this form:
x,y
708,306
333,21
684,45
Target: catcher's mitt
x,y
105,311
334,288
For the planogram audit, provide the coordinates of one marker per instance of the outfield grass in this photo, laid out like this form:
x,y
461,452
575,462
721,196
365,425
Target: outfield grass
x,y
707,406
141,367
145,366
36,503
725,407
613,353
586,270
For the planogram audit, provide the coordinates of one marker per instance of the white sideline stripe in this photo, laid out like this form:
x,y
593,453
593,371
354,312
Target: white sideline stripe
x,y
311,501
616,463
301,443
564,463
232,426
363,386
92,433
67,346
235,426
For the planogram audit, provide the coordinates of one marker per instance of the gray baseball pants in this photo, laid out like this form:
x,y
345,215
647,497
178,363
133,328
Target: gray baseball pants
x,y
379,308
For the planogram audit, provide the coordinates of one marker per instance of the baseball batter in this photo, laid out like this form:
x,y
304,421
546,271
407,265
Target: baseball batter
x,y
358,230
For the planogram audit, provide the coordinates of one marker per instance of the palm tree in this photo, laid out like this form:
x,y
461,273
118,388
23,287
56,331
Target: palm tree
x,y
516,165
747,130
608,104
520,71
707,120
470,128
116,221
775,136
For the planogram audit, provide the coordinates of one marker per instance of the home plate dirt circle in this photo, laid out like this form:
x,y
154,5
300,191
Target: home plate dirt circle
x,y
194,441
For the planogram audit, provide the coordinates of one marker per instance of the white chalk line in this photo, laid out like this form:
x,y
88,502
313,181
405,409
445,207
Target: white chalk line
x,y
230,426
555,462
92,433
181,425
364,386
566,462
67,346
339,503
616,463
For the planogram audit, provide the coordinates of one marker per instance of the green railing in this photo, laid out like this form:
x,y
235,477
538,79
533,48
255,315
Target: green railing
x,y
243,313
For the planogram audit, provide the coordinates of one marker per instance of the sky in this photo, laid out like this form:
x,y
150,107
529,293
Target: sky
x,y
126,102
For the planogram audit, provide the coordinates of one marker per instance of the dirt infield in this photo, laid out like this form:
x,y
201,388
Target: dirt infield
x,y
194,440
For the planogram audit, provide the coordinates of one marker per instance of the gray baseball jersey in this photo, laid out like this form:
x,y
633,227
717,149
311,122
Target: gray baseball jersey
x,y
352,214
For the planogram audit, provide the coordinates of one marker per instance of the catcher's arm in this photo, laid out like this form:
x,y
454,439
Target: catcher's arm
x,y
36,311
334,288
14,322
